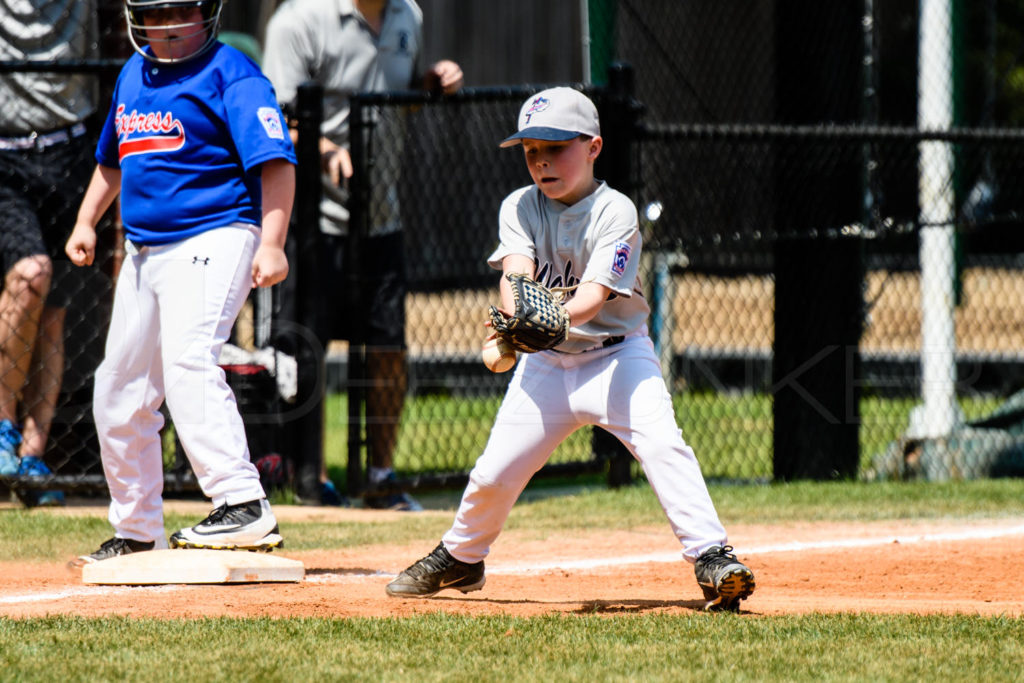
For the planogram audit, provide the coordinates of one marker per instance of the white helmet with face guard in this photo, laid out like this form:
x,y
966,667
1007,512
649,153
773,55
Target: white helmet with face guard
x,y
135,11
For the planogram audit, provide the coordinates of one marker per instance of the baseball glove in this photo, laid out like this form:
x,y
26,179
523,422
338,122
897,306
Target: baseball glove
x,y
539,321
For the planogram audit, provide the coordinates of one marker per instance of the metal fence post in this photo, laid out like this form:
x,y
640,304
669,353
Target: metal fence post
x,y
307,430
357,218
815,359
615,165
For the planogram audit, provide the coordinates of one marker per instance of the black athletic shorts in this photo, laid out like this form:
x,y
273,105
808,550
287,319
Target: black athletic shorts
x,y
40,191
384,289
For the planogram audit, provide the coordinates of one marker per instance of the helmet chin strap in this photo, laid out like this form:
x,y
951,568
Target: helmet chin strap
x,y
137,31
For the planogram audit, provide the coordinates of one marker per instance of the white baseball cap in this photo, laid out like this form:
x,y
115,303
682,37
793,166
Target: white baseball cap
x,y
555,114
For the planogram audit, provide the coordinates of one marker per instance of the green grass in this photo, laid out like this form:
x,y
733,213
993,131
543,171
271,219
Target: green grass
x,y
438,434
584,647
731,433
597,643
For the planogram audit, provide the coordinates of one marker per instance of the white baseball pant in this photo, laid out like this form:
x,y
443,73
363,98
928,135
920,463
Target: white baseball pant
x,y
174,308
550,396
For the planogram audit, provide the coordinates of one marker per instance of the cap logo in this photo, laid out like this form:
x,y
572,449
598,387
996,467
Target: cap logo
x,y
538,105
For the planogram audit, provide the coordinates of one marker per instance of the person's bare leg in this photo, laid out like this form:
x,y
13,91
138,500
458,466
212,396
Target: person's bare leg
x,y
21,305
40,400
384,402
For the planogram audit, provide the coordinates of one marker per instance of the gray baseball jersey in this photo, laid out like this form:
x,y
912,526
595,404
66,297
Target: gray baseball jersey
x,y
595,240
329,42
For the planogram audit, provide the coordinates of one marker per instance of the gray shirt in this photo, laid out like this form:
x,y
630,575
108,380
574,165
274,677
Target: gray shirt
x,y
46,30
329,42
597,239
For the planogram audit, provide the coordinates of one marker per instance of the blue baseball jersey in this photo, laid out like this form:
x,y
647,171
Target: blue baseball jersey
x,y
189,139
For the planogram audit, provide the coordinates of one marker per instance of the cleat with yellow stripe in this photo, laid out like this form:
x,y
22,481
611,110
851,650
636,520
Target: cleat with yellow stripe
x,y
723,578
245,526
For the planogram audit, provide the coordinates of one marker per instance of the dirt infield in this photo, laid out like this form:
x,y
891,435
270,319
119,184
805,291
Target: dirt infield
x,y
967,567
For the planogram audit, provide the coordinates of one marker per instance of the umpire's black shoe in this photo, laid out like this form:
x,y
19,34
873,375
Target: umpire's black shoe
x,y
113,548
724,579
435,572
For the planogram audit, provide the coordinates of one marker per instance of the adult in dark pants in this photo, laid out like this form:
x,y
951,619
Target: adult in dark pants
x,y
353,46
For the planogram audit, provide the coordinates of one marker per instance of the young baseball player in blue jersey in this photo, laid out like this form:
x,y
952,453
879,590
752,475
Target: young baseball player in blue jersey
x,y
570,230
197,149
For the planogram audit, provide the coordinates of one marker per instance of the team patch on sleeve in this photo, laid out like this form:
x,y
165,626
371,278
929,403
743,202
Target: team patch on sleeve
x,y
271,120
621,258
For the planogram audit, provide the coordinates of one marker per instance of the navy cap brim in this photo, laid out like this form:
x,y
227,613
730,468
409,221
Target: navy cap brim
x,y
539,133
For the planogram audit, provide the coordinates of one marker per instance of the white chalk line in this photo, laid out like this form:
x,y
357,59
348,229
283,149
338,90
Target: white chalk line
x,y
76,592
796,546
986,533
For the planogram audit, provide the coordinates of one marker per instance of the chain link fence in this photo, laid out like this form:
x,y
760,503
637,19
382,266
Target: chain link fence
x,y
833,192
831,207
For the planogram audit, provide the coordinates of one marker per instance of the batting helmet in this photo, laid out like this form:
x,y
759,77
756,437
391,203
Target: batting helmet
x,y
134,11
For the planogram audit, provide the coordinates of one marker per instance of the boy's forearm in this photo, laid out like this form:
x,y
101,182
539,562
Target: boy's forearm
x,y
513,263
586,302
278,194
103,188
274,230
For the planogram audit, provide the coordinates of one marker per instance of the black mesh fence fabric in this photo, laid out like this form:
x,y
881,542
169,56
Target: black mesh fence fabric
x,y
831,204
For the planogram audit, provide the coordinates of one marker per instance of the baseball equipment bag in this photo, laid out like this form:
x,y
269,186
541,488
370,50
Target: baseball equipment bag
x,y
539,322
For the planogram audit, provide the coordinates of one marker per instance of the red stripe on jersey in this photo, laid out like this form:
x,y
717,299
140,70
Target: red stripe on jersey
x,y
155,143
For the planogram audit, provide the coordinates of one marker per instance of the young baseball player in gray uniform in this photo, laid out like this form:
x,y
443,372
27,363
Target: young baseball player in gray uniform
x,y
570,230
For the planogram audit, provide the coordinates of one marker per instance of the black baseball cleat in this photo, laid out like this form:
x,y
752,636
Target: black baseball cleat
x,y
724,579
114,547
246,526
435,572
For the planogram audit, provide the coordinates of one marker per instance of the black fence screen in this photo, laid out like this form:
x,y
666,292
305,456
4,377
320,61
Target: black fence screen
x,y
832,250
